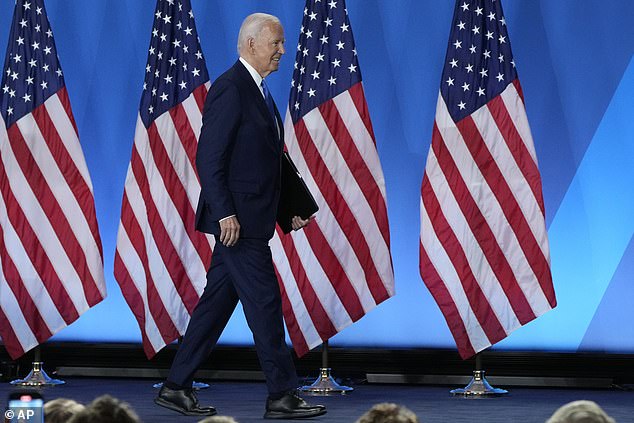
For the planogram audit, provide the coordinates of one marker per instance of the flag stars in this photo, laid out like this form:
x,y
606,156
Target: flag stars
x,y
37,28
168,79
332,80
296,105
32,63
196,72
465,6
480,91
450,82
501,58
189,31
324,39
26,98
313,16
47,50
457,44
311,92
469,68
491,16
183,85
328,22
486,54
17,58
155,32
49,33
461,25
20,41
23,23
150,110
352,68
333,4
340,45
462,105
163,38
478,11
164,97
475,30
315,75
45,68
320,57
199,55
35,45
336,63
44,85
59,72
27,6
472,49
344,27
176,43
302,70
465,87
484,73
489,35
454,63
500,77
502,39
305,52
167,19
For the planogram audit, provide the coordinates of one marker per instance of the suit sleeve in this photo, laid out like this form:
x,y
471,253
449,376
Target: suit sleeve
x,y
221,118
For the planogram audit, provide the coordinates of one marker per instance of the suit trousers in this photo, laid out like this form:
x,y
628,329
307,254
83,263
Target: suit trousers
x,y
243,272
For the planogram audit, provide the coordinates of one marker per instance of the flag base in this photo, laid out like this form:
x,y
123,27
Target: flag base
x,y
479,387
37,377
325,384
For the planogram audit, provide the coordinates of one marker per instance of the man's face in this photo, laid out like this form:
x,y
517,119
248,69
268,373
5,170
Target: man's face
x,y
267,49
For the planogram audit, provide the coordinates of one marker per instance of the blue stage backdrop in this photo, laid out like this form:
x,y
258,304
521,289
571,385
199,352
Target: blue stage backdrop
x,y
576,68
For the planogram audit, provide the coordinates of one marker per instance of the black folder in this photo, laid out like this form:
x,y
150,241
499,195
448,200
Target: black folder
x,y
295,198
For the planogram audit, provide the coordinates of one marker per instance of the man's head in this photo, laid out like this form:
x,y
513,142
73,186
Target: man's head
x,y
261,42
387,412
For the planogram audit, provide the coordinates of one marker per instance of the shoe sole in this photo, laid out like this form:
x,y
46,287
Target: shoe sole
x,y
288,416
169,405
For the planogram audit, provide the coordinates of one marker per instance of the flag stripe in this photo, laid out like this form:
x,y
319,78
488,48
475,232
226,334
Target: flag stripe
x,y
479,225
358,97
447,304
478,301
337,187
19,297
135,235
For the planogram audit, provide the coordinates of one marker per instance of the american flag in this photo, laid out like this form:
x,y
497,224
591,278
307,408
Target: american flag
x,y
51,266
161,260
484,249
339,267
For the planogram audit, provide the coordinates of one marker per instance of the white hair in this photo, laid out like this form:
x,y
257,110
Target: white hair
x,y
253,25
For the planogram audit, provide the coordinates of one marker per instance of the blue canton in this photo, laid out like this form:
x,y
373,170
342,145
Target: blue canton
x,y
175,65
32,72
479,63
326,62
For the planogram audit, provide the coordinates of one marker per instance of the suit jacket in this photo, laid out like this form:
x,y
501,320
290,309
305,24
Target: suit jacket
x,y
238,157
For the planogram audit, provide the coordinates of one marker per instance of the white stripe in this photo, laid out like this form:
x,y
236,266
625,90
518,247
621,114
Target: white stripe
x,y
517,111
352,195
13,312
491,210
330,228
482,272
29,275
68,135
33,212
301,313
361,138
158,271
65,198
513,176
447,273
134,267
168,213
177,155
194,115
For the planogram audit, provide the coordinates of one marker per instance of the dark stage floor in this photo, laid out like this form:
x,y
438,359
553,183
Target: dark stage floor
x,y
245,401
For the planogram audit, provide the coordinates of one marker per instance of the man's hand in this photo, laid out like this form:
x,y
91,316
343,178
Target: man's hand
x,y
229,231
298,223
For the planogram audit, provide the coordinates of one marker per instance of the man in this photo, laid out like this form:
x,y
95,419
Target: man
x,y
238,162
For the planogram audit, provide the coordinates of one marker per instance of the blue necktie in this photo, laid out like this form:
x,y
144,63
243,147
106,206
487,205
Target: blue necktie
x,y
268,100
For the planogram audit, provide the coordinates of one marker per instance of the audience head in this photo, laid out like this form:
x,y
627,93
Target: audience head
x,y
387,412
580,412
218,419
106,409
60,410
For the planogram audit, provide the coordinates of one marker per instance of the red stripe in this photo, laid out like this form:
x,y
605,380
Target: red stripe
x,y
513,213
9,338
75,181
17,284
54,213
341,211
175,188
518,88
455,251
518,149
37,254
133,297
354,161
200,94
481,230
318,315
294,331
358,98
161,317
177,193
449,310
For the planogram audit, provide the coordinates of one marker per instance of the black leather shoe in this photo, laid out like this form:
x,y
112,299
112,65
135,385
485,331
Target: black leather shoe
x,y
182,400
291,406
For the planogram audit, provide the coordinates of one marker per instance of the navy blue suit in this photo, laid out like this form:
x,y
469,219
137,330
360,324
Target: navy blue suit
x,y
238,162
